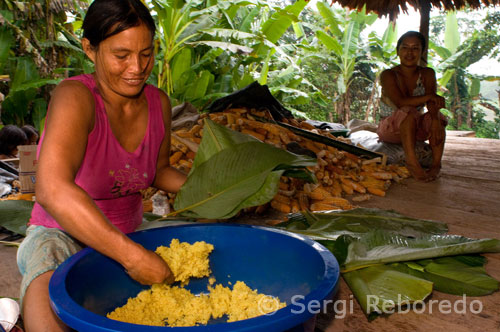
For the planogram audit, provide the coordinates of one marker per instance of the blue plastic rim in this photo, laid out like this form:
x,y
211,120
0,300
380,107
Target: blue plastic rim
x,y
292,267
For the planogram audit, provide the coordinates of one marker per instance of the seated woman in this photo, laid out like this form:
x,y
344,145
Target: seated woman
x,y
406,89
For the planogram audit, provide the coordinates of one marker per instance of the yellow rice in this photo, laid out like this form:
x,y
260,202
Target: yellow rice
x,y
163,304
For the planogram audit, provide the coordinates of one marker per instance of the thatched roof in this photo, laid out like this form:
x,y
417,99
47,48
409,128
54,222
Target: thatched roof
x,y
394,7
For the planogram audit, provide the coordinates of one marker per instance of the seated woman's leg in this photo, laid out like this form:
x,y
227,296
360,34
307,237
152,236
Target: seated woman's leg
x,y
40,253
435,130
408,134
37,313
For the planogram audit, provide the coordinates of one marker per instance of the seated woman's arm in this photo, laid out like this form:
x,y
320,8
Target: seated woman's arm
x,y
70,120
391,90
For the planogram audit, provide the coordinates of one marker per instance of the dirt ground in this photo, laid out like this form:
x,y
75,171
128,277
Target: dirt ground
x,y
465,197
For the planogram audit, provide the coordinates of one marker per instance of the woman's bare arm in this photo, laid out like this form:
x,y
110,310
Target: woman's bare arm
x,y
391,90
70,119
167,177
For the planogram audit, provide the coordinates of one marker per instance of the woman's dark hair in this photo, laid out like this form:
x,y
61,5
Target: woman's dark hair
x,y
106,18
10,137
30,132
417,34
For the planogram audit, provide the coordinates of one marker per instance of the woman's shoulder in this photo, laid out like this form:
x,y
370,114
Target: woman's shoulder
x,y
427,71
70,88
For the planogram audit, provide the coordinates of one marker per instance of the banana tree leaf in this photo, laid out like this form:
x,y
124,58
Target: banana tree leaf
x,y
356,222
379,247
232,177
456,275
215,139
15,215
379,289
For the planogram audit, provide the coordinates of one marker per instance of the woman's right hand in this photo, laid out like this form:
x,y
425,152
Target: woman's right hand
x,y
148,268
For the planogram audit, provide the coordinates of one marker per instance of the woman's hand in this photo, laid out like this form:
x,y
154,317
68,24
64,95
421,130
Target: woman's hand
x,y
435,103
146,267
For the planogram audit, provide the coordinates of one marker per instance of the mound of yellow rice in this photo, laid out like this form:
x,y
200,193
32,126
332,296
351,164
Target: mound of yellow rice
x,y
163,304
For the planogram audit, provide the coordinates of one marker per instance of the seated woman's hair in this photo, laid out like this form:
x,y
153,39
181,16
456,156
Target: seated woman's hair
x,y
31,133
10,137
417,34
106,18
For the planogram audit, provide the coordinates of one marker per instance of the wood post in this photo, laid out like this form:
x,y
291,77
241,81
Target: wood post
x,y
425,13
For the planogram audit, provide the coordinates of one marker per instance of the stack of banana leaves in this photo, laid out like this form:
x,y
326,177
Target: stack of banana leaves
x,y
389,260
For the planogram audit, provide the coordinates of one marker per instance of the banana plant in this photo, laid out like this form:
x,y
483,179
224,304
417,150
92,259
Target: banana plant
x,y
342,37
209,50
454,58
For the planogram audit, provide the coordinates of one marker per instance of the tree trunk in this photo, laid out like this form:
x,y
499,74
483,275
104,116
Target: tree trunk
x,y
469,115
347,108
456,102
371,100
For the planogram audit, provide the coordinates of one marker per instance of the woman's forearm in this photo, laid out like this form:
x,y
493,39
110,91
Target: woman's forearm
x,y
76,213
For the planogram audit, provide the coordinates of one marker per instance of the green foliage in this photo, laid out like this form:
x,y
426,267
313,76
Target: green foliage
x,y
38,49
317,63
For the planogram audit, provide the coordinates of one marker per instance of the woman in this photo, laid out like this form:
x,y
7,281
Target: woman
x,y
107,136
406,89
11,137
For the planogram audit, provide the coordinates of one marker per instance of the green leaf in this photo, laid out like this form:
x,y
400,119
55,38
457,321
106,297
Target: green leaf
x,y
6,40
199,87
279,22
379,289
330,42
327,13
231,172
15,215
456,275
181,63
215,139
359,221
451,35
380,247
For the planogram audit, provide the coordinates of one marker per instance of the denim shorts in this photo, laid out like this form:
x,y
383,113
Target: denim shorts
x,y
43,250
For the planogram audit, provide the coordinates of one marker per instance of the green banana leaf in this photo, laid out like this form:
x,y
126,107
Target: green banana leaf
x,y
356,222
383,254
232,171
15,215
456,275
215,139
379,247
379,289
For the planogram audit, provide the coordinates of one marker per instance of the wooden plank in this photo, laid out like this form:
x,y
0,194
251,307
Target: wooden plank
x,y
466,198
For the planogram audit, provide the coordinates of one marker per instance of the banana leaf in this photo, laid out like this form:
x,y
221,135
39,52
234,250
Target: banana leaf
x,y
379,247
232,171
455,275
382,288
215,139
15,215
356,222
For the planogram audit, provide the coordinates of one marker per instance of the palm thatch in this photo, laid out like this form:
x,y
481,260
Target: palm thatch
x,y
394,7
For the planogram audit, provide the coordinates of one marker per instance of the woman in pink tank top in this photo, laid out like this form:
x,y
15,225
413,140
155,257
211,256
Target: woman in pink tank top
x,y
107,136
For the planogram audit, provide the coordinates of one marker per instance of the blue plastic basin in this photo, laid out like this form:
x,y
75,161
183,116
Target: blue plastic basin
x,y
292,267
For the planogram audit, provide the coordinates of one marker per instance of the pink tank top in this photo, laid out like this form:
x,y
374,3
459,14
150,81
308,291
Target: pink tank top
x,y
111,175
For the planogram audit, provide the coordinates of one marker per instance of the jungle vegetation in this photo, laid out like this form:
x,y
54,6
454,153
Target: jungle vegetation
x,y
321,63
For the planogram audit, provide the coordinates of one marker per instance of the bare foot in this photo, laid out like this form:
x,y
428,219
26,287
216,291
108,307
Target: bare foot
x,y
418,173
433,172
